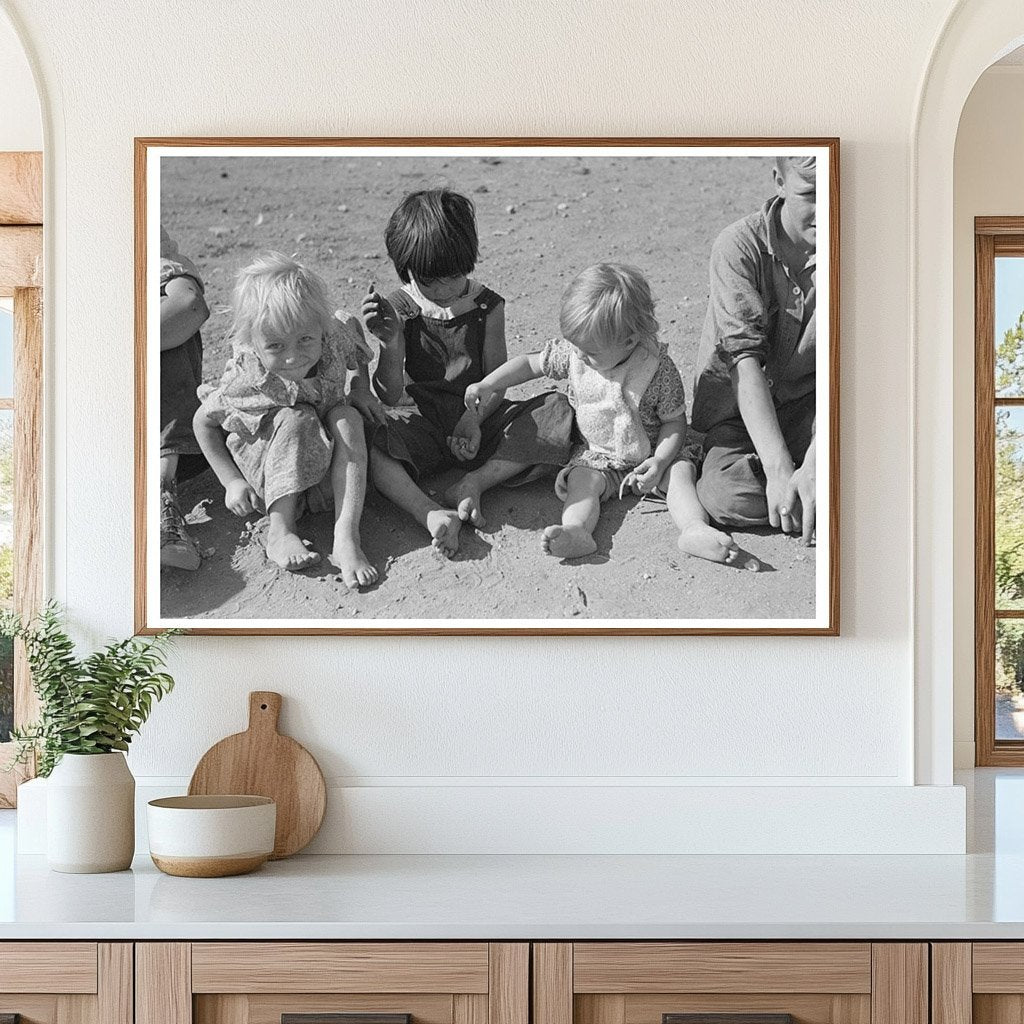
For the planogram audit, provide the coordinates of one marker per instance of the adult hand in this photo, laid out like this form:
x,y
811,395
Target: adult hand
x,y
379,316
240,498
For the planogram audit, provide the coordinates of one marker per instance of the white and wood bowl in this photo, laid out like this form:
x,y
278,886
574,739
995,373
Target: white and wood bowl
x,y
211,836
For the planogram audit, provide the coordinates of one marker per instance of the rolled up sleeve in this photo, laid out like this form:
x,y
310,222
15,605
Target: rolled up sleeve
x,y
738,308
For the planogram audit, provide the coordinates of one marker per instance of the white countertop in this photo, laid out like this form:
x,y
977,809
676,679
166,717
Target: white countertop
x,y
517,897
977,896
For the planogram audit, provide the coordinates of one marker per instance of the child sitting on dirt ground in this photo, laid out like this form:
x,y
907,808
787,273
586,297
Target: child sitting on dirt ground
x,y
629,402
277,429
183,311
440,332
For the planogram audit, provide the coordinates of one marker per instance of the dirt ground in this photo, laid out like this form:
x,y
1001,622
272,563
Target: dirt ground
x,y
540,222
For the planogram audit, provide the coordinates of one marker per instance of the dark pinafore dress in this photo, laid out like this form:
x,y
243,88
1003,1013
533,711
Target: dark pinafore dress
x,y
442,358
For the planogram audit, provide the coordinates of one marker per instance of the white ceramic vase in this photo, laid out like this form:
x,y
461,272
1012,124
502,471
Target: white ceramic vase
x,y
90,814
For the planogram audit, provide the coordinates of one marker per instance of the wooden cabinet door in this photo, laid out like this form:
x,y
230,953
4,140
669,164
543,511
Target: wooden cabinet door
x,y
978,983
332,983
66,982
730,983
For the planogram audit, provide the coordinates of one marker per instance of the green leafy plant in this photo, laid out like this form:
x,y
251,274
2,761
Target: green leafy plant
x,y
89,705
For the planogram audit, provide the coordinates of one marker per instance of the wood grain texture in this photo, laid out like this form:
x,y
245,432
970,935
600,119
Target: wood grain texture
x,y
984,502
552,983
21,188
28,483
21,259
163,983
805,1008
115,996
31,1009
76,1009
998,967
466,1009
262,762
951,983
899,991
304,967
143,144
508,993
268,1009
65,967
634,967
346,1018
226,1009
998,226
998,1009
603,1009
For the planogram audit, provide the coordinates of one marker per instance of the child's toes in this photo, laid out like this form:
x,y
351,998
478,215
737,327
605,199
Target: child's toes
x,y
366,576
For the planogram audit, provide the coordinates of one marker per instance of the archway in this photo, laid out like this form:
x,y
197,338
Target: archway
x,y
976,34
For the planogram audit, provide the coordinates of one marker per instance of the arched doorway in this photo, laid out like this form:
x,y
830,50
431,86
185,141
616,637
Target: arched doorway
x,y
976,34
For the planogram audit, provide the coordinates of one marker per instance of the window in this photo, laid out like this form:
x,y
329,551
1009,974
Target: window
x,y
21,365
999,490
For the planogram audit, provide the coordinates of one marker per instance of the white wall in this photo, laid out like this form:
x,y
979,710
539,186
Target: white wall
x,y
987,182
21,127
756,711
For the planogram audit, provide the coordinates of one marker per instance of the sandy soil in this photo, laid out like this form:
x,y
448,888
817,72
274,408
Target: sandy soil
x,y
540,222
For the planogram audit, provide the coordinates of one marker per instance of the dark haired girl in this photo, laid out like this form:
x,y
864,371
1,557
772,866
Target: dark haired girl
x,y
439,333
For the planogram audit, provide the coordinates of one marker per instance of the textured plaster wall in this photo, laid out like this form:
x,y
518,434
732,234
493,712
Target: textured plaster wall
x,y
816,711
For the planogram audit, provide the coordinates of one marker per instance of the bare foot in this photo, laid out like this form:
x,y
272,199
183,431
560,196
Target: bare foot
x,y
703,541
466,498
567,541
443,525
356,570
289,550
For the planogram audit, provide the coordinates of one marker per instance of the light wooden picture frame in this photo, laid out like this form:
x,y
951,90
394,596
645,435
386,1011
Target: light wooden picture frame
x,y
545,209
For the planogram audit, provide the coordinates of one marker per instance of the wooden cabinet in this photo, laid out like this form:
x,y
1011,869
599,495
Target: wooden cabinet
x,y
654,982
66,982
979,982
307,982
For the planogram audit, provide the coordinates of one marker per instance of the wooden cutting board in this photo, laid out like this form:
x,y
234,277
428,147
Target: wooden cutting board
x,y
262,762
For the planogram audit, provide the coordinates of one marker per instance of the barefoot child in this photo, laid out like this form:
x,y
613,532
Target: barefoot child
x,y
440,332
629,402
277,429
183,311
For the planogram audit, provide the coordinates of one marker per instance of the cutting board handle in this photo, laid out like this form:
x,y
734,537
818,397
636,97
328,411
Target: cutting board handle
x,y
264,710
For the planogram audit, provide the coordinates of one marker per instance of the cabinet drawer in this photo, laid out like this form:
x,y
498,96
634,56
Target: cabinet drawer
x,y
340,967
332,983
66,967
635,967
730,983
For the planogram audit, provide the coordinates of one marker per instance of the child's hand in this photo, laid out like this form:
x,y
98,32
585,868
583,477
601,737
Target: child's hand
x,y
465,440
783,499
379,316
476,396
804,480
645,478
368,406
240,498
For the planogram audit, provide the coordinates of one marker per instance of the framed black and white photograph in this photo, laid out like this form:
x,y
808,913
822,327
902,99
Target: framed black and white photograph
x,y
490,386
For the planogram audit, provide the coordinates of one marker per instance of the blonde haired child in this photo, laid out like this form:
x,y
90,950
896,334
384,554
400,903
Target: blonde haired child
x,y
629,403
277,428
